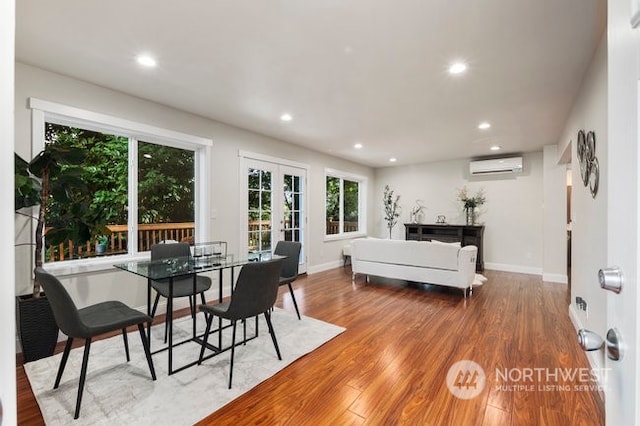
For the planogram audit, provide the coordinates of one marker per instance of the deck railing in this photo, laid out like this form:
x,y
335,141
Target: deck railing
x,y
333,227
148,234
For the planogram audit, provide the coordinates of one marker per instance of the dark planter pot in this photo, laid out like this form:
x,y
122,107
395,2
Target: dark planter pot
x,y
37,327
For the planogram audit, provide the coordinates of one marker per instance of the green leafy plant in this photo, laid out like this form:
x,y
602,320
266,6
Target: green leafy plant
x,y
55,173
391,208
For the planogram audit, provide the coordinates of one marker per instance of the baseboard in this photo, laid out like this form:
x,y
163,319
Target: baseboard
x,y
324,267
513,268
555,278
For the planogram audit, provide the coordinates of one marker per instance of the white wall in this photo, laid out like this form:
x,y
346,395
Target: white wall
x,y
227,141
589,215
554,264
512,214
7,291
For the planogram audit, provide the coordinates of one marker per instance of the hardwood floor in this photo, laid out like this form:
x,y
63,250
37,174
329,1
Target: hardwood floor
x,y
390,365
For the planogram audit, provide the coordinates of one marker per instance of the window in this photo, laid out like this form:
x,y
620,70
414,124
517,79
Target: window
x,y
344,212
141,184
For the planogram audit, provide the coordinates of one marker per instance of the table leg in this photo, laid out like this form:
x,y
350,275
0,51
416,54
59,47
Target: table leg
x,y
170,325
149,312
195,311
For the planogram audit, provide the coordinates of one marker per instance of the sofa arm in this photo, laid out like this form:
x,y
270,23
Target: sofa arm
x,y
467,262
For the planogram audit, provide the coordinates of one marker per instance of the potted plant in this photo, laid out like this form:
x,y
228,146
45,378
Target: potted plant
x,y
391,208
101,244
55,171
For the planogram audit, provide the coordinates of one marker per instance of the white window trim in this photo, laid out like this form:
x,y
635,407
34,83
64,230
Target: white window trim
x,y
362,202
76,117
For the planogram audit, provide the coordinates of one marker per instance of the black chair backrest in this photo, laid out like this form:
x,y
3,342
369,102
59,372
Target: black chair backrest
x,y
163,251
64,310
256,289
291,249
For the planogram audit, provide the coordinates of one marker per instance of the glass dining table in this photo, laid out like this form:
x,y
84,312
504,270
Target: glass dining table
x,y
178,267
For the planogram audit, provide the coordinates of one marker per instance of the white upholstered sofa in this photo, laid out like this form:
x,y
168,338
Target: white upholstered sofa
x,y
420,261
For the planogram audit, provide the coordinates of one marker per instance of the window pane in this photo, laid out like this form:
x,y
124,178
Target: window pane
x,y
254,200
266,200
254,179
88,194
266,180
333,206
350,206
166,186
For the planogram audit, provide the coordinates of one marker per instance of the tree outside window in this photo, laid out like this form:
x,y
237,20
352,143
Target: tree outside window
x,y
342,205
165,192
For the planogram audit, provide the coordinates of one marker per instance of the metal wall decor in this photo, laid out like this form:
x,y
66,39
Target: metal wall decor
x,y
589,167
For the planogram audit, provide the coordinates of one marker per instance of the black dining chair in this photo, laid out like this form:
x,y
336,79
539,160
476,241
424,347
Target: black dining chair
x,y
89,322
255,293
289,273
183,286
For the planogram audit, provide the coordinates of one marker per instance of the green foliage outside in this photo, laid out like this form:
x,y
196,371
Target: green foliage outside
x,y
350,201
165,178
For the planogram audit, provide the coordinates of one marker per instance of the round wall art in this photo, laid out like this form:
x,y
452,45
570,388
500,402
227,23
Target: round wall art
x,y
589,167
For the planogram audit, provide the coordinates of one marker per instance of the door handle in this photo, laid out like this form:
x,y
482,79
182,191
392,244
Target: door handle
x,y
611,279
591,341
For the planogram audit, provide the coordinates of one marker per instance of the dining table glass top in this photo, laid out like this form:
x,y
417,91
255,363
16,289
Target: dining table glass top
x,y
180,266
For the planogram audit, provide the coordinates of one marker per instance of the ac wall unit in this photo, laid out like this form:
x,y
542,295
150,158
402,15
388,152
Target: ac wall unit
x,y
495,166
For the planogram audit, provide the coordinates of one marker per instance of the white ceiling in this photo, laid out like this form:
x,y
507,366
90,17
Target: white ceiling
x,y
368,71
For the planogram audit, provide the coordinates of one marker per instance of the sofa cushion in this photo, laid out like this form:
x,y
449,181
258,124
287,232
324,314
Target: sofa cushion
x,y
409,253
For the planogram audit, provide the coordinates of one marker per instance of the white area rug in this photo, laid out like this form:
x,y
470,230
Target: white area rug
x,y
121,393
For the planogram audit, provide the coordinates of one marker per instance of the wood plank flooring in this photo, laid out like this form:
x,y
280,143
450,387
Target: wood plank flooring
x,y
390,366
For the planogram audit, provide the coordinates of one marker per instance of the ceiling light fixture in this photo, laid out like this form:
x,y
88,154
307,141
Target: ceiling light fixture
x,y
484,125
147,61
495,148
358,146
286,117
457,68
393,159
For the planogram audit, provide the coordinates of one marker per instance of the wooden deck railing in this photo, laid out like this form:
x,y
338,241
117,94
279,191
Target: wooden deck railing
x,y
148,234
333,227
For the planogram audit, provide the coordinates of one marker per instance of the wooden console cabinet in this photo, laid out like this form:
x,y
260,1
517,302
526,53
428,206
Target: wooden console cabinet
x,y
466,235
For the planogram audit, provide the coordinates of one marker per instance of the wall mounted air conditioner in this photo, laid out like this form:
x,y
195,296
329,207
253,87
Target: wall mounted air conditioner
x,y
495,166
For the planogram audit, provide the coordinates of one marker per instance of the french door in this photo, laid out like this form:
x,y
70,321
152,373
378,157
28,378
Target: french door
x,y
274,207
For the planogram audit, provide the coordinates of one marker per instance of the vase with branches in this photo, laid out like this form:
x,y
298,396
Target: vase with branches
x,y
469,203
391,208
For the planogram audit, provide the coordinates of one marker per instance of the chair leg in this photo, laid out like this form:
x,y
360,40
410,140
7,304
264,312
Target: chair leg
x,y
147,351
206,337
293,297
83,375
233,349
63,362
126,343
267,316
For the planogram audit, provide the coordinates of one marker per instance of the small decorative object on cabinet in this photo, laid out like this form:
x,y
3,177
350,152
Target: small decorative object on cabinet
x,y
463,234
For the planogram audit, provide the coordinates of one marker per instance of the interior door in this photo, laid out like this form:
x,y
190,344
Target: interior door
x,y
621,172
275,207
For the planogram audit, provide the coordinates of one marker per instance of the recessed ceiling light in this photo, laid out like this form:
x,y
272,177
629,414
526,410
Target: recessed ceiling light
x,y
457,68
393,159
358,146
146,61
286,117
495,148
484,125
